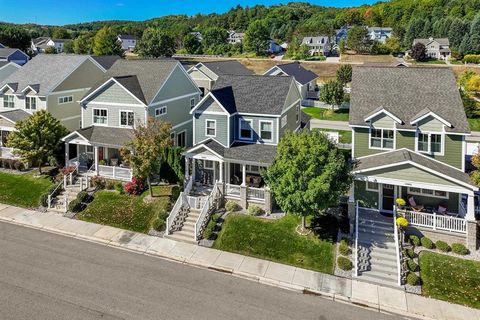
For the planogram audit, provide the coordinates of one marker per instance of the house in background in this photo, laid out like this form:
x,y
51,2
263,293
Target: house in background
x,y
128,42
380,34
235,37
7,68
129,93
206,73
40,44
319,45
306,80
13,55
437,48
340,34
197,35
273,47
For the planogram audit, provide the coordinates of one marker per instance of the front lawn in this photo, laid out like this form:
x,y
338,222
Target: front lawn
x,y
327,114
451,279
23,190
277,240
474,124
343,135
130,212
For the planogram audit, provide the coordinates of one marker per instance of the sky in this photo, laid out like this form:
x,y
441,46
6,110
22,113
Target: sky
x,y
60,12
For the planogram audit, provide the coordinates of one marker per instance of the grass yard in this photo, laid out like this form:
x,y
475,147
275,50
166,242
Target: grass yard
x,y
365,58
130,212
327,114
474,124
23,190
278,241
451,279
344,136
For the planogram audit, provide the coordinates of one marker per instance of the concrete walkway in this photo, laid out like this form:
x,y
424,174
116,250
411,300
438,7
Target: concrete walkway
x,y
350,291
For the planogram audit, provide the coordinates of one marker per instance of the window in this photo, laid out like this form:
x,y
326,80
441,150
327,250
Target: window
x,y
100,116
423,142
254,169
31,103
127,118
429,142
266,128
210,128
89,149
428,192
8,101
372,186
246,131
284,121
192,103
67,99
181,139
381,138
160,111
208,164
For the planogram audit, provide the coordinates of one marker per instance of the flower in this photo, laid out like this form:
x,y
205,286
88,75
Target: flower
x,y
402,223
400,202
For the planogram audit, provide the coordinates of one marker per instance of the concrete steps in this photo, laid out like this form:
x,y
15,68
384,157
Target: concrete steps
x,y
187,232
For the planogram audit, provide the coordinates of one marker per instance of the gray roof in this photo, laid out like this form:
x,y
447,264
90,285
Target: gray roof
x,y
107,136
224,67
4,63
46,71
252,94
106,61
405,92
379,29
143,78
261,153
316,40
402,155
126,37
6,52
295,69
15,115
441,41
40,40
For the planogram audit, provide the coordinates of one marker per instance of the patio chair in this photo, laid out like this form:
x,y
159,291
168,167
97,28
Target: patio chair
x,y
413,204
443,209
114,162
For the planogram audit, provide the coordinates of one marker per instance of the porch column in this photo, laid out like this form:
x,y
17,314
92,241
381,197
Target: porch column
x,y
221,171
470,215
95,152
193,169
244,175
67,153
472,228
187,167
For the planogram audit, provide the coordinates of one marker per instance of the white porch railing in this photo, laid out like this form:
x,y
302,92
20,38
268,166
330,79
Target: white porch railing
x,y
73,162
232,190
188,186
397,246
7,153
116,173
356,239
195,202
255,193
435,221
176,209
205,212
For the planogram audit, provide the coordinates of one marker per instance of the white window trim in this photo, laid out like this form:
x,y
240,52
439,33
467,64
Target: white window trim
x,y
205,165
64,97
284,122
179,133
120,118
12,102
250,121
93,117
429,133
414,193
31,98
161,108
192,100
214,127
260,130
374,190
382,148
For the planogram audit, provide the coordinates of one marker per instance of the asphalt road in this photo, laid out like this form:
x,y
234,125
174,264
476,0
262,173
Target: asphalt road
x,y
47,276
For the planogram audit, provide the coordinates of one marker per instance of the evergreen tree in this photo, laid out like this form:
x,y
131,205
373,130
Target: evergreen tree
x,y
456,32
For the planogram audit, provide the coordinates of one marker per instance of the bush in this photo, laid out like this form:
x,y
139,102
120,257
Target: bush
x,y
343,248
211,227
413,279
44,197
442,246
109,184
415,240
412,265
410,253
402,223
119,187
255,210
74,205
134,187
83,196
427,243
344,263
231,206
158,224
472,58
98,182
400,202
459,248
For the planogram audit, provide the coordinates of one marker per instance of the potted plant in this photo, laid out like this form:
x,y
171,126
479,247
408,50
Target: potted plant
x,y
402,224
400,203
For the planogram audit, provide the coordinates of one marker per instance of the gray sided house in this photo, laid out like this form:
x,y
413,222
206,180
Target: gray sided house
x,y
408,135
438,48
13,55
379,34
319,45
129,93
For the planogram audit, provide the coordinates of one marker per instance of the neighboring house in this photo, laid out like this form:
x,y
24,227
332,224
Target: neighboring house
x,y
408,133
306,80
8,119
13,55
39,45
128,42
438,48
235,37
340,34
197,35
319,45
206,73
7,68
129,93
106,61
274,47
380,34
52,82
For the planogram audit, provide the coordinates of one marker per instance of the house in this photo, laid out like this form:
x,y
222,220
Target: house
x,y
129,93
8,119
106,61
306,80
273,47
319,45
340,34
437,48
40,44
380,34
235,37
127,41
52,82
13,55
7,68
197,35
408,132
206,73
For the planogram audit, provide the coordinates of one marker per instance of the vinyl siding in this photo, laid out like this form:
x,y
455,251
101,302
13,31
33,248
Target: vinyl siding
x,y
292,97
361,148
113,92
19,103
189,133
85,76
201,79
67,110
178,111
177,85
221,128
406,139
430,124
367,199
256,129
453,151
208,72
210,105
383,121
113,114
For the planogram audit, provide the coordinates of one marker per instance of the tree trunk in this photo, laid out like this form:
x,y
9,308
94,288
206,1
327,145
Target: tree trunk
x,y
150,186
304,224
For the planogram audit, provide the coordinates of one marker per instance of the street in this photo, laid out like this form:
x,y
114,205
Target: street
x,y
47,276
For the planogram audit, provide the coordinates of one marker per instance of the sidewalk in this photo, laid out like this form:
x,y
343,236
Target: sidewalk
x,y
340,289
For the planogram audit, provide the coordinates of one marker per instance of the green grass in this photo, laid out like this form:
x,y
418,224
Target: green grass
x,y
129,212
451,279
474,124
344,136
326,114
278,241
23,190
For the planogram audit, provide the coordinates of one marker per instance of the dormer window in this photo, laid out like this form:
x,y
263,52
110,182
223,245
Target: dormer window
x,y
246,131
31,103
430,143
8,101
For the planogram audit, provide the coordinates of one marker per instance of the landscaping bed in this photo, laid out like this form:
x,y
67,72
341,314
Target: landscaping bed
x,y
23,190
327,114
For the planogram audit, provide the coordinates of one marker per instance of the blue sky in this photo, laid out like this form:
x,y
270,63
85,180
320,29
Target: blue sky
x,y
60,12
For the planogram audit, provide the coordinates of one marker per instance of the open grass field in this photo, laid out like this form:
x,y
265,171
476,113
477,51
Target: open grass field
x,y
327,114
363,58
23,190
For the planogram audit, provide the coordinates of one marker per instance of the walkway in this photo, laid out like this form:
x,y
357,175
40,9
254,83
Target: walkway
x,y
271,273
328,124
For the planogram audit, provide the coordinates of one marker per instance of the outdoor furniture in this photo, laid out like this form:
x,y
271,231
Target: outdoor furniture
x,y
114,162
413,204
256,181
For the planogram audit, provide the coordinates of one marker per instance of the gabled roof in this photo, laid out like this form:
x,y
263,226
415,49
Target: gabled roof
x,y
40,40
441,41
316,40
107,136
295,69
106,61
405,92
379,29
15,115
7,52
127,37
227,67
4,63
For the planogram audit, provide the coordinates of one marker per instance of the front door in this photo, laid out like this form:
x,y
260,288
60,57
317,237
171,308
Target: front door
x,y
388,196
101,153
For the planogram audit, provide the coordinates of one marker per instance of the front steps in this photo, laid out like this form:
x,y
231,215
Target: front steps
x,y
187,232
71,192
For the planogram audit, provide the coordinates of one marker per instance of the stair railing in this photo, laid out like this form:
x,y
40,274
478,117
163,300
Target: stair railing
x,y
54,194
173,214
205,213
397,246
356,238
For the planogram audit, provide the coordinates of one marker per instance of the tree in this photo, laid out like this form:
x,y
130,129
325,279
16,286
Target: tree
x,y
214,36
309,173
156,43
106,43
15,37
60,33
83,44
257,37
359,40
192,44
147,145
38,138
68,46
393,45
419,52
344,74
332,93
50,50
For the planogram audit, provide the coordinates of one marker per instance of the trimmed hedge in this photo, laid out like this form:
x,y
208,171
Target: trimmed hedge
x,y
442,246
343,248
427,243
344,263
459,248
415,240
74,205
412,265
472,58
413,279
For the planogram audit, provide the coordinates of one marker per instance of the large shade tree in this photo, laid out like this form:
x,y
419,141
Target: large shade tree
x,y
257,37
106,43
309,173
156,43
332,93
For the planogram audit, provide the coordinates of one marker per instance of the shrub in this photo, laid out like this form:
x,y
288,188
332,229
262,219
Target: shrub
x,y
400,202
412,265
343,248
74,205
255,210
427,243
119,187
211,227
415,240
44,197
158,224
459,248
83,196
402,223
472,58
442,246
410,253
134,187
109,184
231,206
102,162
344,263
98,182
413,279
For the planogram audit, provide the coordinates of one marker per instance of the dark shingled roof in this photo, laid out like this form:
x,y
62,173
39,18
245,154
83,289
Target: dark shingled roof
x,y
15,115
224,67
252,152
106,61
406,92
402,155
107,136
295,69
253,94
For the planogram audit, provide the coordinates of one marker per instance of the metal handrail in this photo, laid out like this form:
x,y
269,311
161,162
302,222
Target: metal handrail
x,y
397,246
356,238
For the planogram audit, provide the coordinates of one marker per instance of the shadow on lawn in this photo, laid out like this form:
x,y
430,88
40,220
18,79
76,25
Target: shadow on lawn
x,y
325,225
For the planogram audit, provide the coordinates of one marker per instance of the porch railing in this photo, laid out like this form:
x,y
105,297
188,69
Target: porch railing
x,y
7,153
72,162
117,173
435,221
398,247
255,193
176,209
232,190
188,185
356,238
195,202
207,207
